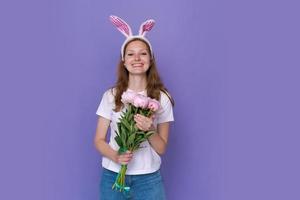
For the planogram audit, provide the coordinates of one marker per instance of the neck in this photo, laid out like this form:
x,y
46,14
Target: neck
x,y
137,83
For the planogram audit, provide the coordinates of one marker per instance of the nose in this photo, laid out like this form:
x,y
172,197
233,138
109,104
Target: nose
x,y
137,57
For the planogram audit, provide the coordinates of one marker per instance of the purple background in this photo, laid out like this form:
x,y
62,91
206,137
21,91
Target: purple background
x,y
232,67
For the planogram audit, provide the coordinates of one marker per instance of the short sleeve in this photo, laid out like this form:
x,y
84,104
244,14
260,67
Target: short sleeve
x,y
165,113
106,105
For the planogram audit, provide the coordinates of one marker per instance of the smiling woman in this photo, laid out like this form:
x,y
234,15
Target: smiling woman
x,y
137,73
137,57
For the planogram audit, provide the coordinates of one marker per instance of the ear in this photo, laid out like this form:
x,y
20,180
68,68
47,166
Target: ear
x,y
146,27
121,25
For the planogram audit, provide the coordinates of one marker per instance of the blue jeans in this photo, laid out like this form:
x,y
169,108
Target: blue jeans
x,y
142,187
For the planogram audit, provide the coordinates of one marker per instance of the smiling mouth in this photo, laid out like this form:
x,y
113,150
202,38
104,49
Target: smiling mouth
x,y
138,65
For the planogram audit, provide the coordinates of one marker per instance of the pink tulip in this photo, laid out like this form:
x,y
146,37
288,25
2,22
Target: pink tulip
x,y
140,101
128,97
153,105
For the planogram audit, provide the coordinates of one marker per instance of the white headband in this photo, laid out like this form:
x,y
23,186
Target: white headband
x,y
125,29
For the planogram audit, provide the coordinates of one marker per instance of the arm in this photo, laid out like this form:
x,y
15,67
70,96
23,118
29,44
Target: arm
x,y
159,140
104,148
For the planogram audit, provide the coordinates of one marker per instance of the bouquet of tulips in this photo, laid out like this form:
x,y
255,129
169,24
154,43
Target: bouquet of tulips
x,y
128,136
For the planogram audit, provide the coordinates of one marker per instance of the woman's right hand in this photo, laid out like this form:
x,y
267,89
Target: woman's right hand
x,y
124,158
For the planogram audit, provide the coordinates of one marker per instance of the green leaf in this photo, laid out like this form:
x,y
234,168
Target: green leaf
x,y
123,136
126,124
119,126
130,117
140,132
149,133
130,139
119,141
123,130
129,109
132,128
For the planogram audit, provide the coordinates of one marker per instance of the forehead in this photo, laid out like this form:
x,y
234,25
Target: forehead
x,y
136,45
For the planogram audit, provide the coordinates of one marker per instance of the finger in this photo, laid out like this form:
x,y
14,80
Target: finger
x,y
144,120
140,123
127,155
137,122
139,116
137,119
129,152
124,156
140,127
143,125
148,120
124,160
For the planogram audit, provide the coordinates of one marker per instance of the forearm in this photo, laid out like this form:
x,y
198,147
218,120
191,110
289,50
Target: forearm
x,y
106,150
157,143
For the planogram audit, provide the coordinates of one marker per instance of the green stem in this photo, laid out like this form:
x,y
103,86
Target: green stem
x,y
149,113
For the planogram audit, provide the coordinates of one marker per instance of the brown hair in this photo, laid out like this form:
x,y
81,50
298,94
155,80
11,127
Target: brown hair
x,y
154,83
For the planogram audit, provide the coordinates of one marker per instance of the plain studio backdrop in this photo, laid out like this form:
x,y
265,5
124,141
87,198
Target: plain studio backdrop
x,y
231,66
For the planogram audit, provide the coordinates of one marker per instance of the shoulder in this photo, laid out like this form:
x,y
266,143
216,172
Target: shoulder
x,y
165,113
109,94
165,98
106,105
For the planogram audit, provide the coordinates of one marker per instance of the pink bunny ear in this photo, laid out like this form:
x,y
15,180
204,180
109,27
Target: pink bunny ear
x,y
121,25
146,27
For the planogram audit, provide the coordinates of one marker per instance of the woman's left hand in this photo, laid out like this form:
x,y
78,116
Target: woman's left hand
x,y
144,123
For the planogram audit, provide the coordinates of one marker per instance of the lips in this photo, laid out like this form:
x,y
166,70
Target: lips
x,y
138,65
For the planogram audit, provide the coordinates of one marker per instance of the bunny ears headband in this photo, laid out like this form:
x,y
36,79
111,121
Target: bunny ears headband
x,y
125,29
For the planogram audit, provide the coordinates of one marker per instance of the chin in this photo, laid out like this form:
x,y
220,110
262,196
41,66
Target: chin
x,y
137,72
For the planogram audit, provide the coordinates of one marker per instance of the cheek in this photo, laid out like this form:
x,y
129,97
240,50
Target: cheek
x,y
146,59
127,61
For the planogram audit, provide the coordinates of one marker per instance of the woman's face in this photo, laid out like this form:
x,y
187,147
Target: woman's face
x,y
137,57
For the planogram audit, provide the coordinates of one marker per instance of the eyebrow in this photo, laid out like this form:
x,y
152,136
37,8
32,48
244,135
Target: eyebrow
x,y
137,51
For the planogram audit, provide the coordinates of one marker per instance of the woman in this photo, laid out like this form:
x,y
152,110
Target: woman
x,y
136,72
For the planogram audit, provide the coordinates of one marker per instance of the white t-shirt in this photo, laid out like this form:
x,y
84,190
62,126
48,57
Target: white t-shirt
x,y
145,160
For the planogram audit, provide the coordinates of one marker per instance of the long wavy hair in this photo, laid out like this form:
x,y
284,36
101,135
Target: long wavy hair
x,y
154,82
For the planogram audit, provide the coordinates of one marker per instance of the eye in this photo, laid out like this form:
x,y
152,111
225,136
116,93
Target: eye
x,y
129,54
144,53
